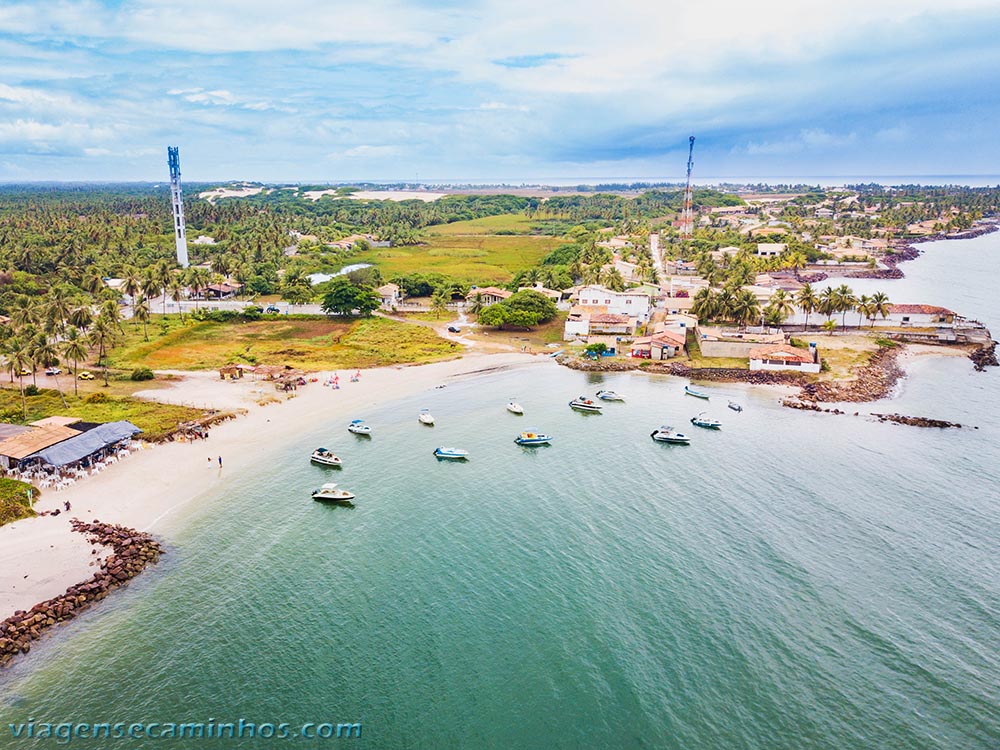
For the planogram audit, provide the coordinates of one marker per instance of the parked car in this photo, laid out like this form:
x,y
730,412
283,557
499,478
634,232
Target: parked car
x,y
23,372
454,329
53,371
85,375
272,309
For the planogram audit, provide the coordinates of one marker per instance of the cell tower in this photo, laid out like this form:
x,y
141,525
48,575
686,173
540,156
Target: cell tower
x,y
180,238
687,215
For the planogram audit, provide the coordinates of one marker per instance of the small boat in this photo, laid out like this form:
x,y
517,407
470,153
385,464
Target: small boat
x,y
582,403
669,435
514,408
454,454
324,457
358,427
532,438
734,406
695,392
556,354
703,421
329,493
610,396
426,418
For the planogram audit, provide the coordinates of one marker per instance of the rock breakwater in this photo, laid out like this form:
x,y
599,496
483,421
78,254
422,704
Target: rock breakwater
x,y
132,551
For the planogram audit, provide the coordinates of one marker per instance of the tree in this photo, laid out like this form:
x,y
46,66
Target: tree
x,y
439,302
476,304
528,300
807,301
746,308
494,315
829,304
45,352
131,283
75,349
177,294
18,360
880,306
103,336
705,304
781,304
846,301
343,298
829,325
142,314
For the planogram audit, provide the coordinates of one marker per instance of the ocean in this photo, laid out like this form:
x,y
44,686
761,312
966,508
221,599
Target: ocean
x,y
793,580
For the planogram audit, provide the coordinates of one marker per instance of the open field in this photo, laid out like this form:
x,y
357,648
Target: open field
x,y
307,343
500,224
154,419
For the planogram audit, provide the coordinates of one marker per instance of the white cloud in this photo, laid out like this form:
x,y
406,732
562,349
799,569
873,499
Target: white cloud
x,y
367,152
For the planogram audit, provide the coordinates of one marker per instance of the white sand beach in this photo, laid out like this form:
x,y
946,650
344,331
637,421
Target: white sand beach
x,y
379,195
150,489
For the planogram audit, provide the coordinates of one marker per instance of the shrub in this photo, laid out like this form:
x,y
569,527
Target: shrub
x,y
142,373
96,398
31,390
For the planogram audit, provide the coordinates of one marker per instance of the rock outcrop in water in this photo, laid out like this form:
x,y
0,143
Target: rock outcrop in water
x,y
915,421
872,382
132,551
985,356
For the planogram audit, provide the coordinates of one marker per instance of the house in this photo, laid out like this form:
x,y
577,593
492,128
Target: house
x,y
488,295
678,322
918,316
203,239
223,290
552,294
587,322
824,213
390,295
664,345
770,249
632,303
610,324
784,357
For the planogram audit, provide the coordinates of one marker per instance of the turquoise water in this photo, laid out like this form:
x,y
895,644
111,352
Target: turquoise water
x,y
794,580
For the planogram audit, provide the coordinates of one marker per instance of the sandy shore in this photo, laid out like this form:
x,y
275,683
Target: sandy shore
x,y
150,490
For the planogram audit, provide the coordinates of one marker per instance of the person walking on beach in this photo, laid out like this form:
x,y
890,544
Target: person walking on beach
x,y
220,462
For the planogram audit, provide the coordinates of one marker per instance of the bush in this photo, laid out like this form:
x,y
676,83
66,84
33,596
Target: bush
x,y
142,373
32,390
96,398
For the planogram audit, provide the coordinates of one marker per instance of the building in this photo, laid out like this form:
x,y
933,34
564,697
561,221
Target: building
x,y
223,290
586,323
918,316
784,357
390,295
62,441
770,249
632,303
552,294
609,324
488,295
663,345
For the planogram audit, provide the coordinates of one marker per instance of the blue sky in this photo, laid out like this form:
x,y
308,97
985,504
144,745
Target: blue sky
x,y
323,90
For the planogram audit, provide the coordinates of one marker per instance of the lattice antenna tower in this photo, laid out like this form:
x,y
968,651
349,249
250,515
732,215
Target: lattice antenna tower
x,y
180,238
687,215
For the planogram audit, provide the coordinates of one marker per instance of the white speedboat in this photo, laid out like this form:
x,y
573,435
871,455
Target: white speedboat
x,y
702,421
532,438
514,408
610,396
358,427
324,457
735,406
669,435
454,454
426,418
330,493
582,403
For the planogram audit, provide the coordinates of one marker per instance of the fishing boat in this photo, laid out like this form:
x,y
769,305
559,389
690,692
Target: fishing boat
x,y
695,392
610,396
734,406
426,418
514,408
667,434
331,494
453,454
532,438
582,403
324,457
702,421
358,427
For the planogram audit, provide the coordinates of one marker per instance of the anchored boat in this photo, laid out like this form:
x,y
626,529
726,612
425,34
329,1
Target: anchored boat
x,y
532,438
358,427
514,408
610,396
582,403
734,406
695,392
426,418
453,454
330,493
324,457
669,435
702,421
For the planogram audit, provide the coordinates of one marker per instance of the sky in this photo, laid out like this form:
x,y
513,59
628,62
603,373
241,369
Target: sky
x,y
484,90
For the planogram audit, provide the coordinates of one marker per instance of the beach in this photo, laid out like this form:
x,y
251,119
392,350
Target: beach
x,y
150,489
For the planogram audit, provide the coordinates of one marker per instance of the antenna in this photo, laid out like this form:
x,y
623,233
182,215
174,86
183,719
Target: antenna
x,y
687,215
180,238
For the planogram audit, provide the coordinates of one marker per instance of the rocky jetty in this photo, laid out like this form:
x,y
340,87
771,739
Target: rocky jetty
x,y
726,374
793,403
915,421
610,364
874,381
132,551
985,356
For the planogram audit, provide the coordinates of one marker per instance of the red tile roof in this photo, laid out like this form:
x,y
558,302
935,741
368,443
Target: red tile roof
x,y
609,318
919,310
781,351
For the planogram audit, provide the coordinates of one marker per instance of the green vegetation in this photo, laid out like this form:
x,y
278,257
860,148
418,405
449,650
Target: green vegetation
x,y
14,503
141,373
523,309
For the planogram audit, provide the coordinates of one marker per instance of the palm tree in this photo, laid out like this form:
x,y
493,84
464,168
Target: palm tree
x,y
151,286
177,294
880,306
18,360
102,336
829,325
829,303
863,308
142,314
45,353
705,304
439,301
781,303
846,301
93,280
75,349
807,301
131,284
476,304
746,308
81,317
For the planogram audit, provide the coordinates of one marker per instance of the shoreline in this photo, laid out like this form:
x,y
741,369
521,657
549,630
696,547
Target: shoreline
x,y
154,490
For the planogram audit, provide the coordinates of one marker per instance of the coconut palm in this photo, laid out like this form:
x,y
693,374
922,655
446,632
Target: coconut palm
x,y
880,306
131,283
18,359
476,304
176,290
808,301
863,308
142,314
746,308
46,354
829,325
81,317
705,304
781,303
74,348
829,303
846,301
102,336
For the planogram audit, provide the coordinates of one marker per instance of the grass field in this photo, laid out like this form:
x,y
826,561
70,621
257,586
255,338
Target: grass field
x,y
519,223
14,500
307,343
154,419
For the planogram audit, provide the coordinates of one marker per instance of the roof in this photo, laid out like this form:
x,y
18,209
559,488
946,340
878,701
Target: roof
x,y
781,351
919,309
56,422
87,443
10,430
388,289
489,291
609,318
39,438
669,337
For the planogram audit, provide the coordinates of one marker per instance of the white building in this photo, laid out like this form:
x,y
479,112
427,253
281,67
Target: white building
x,y
784,357
631,303
770,249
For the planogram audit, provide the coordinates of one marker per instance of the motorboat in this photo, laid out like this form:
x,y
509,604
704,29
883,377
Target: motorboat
x,y
426,418
734,406
582,403
324,457
515,408
331,494
532,438
358,427
610,396
667,434
695,392
702,421
454,454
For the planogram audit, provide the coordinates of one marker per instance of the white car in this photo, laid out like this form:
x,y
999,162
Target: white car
x,y
53,371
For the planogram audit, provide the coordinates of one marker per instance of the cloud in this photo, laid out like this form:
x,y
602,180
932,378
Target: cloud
x,y
220,98
367,152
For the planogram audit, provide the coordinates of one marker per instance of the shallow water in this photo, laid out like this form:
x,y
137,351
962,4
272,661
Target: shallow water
x,y
794,580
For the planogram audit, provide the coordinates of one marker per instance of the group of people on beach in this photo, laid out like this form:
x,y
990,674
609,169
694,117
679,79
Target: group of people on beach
x,y
334,382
